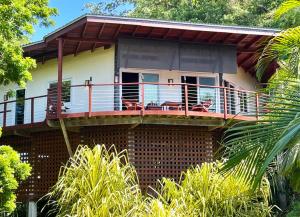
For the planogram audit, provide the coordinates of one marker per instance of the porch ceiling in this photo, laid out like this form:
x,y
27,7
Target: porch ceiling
x,y
90,32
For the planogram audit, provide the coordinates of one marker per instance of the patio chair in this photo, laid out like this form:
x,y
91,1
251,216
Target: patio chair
x,y
203,106
132,105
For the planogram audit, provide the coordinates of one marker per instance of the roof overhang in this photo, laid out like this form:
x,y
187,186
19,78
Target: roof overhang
x,y
92,31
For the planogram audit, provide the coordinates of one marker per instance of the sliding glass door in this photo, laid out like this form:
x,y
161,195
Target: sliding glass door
x,y
208,93
151,91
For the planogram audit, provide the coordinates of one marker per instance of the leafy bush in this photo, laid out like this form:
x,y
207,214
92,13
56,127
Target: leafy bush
x,y
100,182
97,182
205,192
12,171
295,210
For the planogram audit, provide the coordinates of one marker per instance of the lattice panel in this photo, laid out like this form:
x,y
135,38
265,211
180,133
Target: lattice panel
x,y
155,151
108,135
165,151
50,154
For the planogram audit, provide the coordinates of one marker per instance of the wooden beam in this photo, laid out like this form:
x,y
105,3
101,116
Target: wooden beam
x,y
240,38
117,32
226,38
135,31
212,37
59,75
253,40
247,68
180,36
77,48
197,36
101,31
84,30
167,33
93,47
150,32
65,134
89,40
245,59
82,36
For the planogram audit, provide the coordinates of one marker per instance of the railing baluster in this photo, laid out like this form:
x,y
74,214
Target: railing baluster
x,y
143,99
186,99
257,105
225,102
90,100
4,114
32,110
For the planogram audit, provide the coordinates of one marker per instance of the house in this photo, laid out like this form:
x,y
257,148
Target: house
x,y
162,90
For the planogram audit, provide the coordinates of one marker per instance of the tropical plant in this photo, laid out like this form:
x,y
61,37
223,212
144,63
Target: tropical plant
x,y
284,48
203,191
96,182
253,146
295,209
100,182
12,171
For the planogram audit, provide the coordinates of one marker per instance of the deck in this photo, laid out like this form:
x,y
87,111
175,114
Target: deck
x,y
122,103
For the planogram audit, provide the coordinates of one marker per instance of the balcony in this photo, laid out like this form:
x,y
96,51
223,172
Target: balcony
x,y
130,100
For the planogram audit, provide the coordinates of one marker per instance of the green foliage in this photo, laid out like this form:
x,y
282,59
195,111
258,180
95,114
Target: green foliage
x,y
96,182
295,211
12,170
284,48
285,7
205,192
100,182
252,146
233,12
17,18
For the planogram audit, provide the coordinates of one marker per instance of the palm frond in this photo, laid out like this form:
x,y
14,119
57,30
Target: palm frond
x,y
253,146
284,48
285,7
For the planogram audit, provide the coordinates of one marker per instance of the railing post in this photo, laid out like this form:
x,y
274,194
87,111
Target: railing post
x,y
225,102
59,76
90,100
4,114
32,110
186,99
257,105
143,99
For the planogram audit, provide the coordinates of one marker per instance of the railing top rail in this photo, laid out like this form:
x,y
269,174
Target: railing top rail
x,y
28,98
164,84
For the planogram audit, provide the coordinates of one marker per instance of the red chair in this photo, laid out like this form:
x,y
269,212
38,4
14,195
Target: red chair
x,y
203,106
131,105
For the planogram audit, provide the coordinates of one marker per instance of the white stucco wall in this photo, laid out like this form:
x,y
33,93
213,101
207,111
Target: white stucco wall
x,y
242,80
98,64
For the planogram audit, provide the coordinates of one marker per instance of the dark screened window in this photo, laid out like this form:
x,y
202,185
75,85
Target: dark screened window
x,y
66,90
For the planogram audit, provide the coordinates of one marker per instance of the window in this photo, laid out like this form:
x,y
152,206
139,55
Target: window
x,y
151,90
243,101
208,93
66,90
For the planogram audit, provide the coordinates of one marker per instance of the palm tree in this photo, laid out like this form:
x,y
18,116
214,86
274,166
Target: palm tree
x,y
251,147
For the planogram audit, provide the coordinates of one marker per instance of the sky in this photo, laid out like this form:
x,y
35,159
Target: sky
x,y
68,11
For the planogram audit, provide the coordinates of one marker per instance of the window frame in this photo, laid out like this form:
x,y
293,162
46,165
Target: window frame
x,y
69,97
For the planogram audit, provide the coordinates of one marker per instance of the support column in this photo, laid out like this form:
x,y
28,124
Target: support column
x,y
66,137
59,76
32,209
